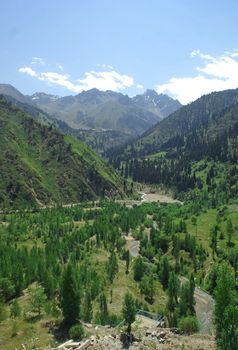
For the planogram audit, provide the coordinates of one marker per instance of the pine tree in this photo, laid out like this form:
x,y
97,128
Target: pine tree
x,y
87,308
70,301
112,266
138,269
173,291
103,309
127,258
164,272
129,310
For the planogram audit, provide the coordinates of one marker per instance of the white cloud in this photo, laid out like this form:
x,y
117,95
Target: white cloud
x,y
104,80
38,60
59,79
216,74
60,67
28,70
140,86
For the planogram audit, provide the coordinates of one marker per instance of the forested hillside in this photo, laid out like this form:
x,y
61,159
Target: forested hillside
x,y
200,154
195,117
40,166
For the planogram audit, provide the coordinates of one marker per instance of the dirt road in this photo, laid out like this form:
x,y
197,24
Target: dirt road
x,y
204,309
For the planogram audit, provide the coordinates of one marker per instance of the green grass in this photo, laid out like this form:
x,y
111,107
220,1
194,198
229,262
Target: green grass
x,y
29,331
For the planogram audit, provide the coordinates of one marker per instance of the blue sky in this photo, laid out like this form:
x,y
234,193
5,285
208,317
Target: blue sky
x,y
184,48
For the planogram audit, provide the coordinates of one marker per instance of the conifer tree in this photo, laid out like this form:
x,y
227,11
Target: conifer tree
x,y
129,310
138,269
70,300
127,258
103,308
164,272
87,308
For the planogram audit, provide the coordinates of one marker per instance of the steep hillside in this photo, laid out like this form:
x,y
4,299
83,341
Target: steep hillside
x,y
196,115
193,152
40,166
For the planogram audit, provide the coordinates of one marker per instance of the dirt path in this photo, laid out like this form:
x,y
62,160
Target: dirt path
x,y
133,246
204,309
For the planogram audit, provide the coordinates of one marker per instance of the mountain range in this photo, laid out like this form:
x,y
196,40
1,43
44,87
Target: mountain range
x,y
101,119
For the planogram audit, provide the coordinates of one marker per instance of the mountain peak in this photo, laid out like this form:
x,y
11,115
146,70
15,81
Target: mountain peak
x,y
160,104
42,97
151,93
9,90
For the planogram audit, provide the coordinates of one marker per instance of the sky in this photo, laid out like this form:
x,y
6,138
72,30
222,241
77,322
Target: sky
x,y
184,48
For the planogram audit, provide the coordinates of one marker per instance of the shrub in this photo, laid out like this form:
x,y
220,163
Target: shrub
x,y
76,332
189,324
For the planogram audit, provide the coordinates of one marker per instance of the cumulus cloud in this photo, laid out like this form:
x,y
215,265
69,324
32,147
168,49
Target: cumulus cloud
x,y
107,80
215,74
59,79
103,80
140,86
28,70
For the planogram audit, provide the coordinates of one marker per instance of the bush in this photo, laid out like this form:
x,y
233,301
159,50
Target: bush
x,y
76,332
189,324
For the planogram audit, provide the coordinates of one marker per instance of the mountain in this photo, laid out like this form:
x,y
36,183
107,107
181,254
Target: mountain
x,y
43,98
9,90
40,166
103,120
196,115
193,152
108,110
161,105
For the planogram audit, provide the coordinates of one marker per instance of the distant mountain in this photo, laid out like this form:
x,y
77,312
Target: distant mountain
x,y
191,118
9,90
39,166
43,98
161,105
108,110
103,120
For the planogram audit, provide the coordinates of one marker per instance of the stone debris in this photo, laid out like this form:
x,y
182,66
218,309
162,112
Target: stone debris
x,y
143,339
71,345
